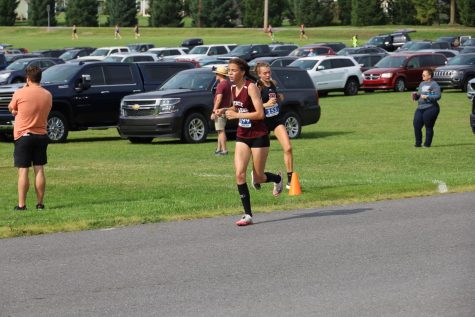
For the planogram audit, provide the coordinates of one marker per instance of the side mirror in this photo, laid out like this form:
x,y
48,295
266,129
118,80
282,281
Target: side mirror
x,y
410,66
254,52
84,83
320,67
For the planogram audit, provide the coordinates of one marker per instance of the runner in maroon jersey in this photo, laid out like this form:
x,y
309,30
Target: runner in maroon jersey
x,y
252,135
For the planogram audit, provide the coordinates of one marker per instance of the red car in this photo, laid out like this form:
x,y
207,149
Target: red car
x,y
312,50
400,71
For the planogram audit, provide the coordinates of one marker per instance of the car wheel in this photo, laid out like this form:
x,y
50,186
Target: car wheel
x,y
465,83
195,129
351,87
140,140
293,124
400,85
57,127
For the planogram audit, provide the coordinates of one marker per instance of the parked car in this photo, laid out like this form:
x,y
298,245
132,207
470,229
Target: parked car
x,y
367,61
87,95
282,49
50,52
131,57
248,52
14,57
167,52
457,73
200,52
140,47
468,49
362,50
75,53
392,41
101,53
312,50
468,42
190,43
276,61
471,96
182,106
422,45
400,71
447,53
335,46
16,71
3,61
455,41
332,73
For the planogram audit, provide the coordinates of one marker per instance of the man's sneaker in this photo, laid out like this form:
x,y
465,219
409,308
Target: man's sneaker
x,y
278,186
224,152
19,208
256,186
217,152
40,206
246,220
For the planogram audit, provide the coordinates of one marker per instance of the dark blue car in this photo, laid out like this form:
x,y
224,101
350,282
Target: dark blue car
x,y
15,72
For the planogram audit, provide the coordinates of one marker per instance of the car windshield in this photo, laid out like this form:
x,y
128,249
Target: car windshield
x,y
199,50
242,49
462,60
190,80
134,47
468,49
100,52
391,62
18,65
113,59
306,64
69,55
377,40
419,46
469,42
58,74
347,51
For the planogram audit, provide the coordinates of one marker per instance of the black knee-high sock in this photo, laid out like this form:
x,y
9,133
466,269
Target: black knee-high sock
x,y
245,198
274,178
289,177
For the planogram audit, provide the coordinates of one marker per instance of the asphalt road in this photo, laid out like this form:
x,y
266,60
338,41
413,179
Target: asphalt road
x,y
412,257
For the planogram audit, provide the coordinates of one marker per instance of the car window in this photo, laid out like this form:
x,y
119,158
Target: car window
x,y
46,64
375,59
304,64
144,58
221,50
426,61
114,51
174,52
365,60
414,62
327,64
293,79
97,75
320,50
118,75
35,63
439,60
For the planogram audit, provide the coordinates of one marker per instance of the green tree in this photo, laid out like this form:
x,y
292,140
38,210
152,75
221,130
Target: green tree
x,y
367,12
165,13
7,12
466,9
82,12
344,11
213,13
122,12
314,13
401,12
253,12
38,14
426,11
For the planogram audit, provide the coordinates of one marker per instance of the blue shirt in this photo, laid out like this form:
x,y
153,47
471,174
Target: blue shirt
x,y
430,89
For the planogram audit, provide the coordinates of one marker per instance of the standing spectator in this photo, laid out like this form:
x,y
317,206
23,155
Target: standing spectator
x,y
30,105
354,40
428,108
302,32
222,99
136,31
252,137
74,35
274,121
117,32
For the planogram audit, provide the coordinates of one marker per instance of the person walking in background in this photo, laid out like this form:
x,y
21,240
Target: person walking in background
x,y
274,121
354,40
117,32
30,106
136,31
302,32
270,32
74,35
222,99
252,137
428,108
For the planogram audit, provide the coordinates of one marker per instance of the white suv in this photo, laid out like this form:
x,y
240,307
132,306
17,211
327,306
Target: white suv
x,y
102,52
204,51
332,73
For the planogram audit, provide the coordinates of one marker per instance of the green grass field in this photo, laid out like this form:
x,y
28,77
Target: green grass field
x,y
361,150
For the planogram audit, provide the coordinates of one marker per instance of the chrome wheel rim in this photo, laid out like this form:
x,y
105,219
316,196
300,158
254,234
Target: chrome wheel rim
x,y
55,128
196,129
292,127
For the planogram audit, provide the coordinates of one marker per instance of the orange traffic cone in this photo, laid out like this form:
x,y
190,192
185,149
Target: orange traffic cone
x,y
295,189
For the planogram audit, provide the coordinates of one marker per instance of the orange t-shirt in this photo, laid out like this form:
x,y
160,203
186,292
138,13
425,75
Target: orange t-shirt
x,y
33,104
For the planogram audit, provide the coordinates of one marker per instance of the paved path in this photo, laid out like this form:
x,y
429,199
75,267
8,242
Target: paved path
x,y
412,257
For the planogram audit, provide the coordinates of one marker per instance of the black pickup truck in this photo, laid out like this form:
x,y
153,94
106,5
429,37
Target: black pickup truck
x,y
182,106
87,94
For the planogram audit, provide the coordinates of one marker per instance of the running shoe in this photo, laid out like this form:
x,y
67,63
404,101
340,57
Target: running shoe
x,y
278,186
217,152
246,220
256,186
224,153
40,206
287,186
18,208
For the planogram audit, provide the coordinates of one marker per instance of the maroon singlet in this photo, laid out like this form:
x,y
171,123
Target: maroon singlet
x,y
247,129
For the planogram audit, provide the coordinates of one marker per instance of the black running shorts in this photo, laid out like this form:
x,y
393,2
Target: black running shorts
x,y
262,141
30,149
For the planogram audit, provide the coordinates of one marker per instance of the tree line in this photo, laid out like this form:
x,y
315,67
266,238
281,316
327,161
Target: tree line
x,y
249,13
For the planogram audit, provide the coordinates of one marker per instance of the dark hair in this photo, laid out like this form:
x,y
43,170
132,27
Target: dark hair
x,y
242,64
34,74
429,71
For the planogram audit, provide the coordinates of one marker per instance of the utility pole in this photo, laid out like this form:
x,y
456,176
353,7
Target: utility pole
x,y
266,14
199,13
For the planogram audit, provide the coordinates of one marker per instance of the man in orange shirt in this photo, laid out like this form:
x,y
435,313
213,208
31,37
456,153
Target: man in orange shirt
x,y
31,105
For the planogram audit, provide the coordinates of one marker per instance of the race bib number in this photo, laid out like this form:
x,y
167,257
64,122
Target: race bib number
x,y
244,123
272,111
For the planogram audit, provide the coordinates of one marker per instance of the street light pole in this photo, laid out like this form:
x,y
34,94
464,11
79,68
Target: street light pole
x,y
266,14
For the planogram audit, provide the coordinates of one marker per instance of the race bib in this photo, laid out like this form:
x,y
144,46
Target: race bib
x,y
244,123
272,111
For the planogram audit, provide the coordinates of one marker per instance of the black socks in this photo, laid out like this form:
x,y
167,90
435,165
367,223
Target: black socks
x,y
274,178
245,198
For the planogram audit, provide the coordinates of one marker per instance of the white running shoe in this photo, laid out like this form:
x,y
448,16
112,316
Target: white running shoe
x,y
256,186
278,186
246,220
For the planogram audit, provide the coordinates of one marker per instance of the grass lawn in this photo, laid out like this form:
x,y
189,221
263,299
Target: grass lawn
x,y
361,150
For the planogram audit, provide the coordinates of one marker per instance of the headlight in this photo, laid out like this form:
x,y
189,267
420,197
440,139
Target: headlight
x,y
386,75
168,105
4,76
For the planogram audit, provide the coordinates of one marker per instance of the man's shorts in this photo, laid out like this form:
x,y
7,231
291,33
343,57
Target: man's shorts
x,y
30,149
220,123
262,141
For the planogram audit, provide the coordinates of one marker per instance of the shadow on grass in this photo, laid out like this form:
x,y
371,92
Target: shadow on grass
x,y
322,213
322,134
455,144
95,139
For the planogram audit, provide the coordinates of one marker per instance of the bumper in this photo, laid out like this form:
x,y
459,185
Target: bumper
x,y
449,82
6,122
169,125
378,84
